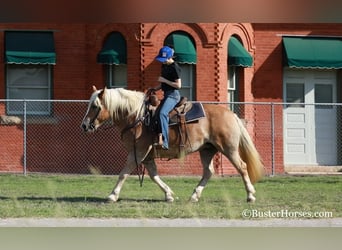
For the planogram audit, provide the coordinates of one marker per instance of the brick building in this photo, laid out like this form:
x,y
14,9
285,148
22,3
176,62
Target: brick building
x,y
220,62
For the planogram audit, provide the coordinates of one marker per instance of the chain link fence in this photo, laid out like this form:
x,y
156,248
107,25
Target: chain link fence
x,y
45,137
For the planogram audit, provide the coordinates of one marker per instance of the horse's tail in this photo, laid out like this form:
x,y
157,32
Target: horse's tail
x,y
250,155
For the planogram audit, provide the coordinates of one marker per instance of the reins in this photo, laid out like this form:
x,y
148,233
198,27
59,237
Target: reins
x,y
140,167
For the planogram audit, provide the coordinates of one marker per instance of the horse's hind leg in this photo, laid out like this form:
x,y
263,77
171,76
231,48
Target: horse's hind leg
x,y
241,167
152,171
207,155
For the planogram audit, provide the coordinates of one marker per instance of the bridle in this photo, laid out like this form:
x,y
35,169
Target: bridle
x,y
92,121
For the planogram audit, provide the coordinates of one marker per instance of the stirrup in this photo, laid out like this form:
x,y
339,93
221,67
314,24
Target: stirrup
x,y
160,140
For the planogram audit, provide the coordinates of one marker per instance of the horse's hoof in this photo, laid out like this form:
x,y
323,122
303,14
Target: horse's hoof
x,y
251,199
194,199
113,198
169,199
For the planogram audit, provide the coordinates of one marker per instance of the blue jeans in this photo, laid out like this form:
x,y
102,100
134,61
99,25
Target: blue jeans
x,y
169,102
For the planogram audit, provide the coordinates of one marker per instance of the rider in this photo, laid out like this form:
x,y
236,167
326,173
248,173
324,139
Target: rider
x,y
170,83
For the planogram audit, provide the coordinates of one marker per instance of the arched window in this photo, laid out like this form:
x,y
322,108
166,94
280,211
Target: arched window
x,y
238,57
114,55
185,56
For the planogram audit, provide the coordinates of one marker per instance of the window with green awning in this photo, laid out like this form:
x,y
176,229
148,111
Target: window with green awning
x,y
186,56
237,54
313,52
29,47
114,50
185,51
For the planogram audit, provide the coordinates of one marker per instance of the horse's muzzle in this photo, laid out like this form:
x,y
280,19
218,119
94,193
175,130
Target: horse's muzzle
x,y
88,126
84,127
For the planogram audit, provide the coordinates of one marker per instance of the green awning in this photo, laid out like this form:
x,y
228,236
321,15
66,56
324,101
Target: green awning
x,y
313,52
185,51
113,50
237,54
29,47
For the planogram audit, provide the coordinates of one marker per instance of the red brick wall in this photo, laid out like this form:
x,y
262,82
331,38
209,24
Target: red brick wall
x,y
11,149
76,70
77,46
267,87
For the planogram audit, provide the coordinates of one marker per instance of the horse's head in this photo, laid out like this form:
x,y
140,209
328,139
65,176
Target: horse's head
x,y
96,114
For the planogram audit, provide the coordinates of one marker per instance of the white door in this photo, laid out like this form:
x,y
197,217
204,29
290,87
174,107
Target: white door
x,y
310,130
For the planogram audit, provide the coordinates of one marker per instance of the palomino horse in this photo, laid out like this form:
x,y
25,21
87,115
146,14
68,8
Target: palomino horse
x,y
219,131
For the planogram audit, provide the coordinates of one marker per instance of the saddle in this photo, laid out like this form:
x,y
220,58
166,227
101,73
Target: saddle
x,y
184,112
190,111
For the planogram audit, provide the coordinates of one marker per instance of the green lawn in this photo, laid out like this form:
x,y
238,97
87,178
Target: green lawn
x,y
85,196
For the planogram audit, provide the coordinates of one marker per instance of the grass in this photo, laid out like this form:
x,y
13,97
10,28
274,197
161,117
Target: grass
x,y
60,196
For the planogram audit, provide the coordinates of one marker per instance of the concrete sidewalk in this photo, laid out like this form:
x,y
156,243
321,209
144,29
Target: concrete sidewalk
x,y
119,222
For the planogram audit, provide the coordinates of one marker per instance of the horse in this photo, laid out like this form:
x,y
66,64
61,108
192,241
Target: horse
x,y
219,131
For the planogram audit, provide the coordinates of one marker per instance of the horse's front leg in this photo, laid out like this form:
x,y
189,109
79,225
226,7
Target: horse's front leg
x,y
152,171
125,172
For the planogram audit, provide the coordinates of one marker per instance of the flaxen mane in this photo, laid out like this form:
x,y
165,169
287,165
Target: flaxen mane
x,y
122,103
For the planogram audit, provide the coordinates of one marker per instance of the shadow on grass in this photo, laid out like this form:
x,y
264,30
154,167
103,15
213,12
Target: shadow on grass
x,y
78,199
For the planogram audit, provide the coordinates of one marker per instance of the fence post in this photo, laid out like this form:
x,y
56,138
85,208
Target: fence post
x,y
273,138
25,139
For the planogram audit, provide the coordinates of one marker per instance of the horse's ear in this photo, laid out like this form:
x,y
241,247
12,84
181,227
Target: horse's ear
x,y
100,95
94,88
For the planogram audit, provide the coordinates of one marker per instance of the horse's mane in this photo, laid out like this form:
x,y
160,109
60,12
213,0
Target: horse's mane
x,y
122,103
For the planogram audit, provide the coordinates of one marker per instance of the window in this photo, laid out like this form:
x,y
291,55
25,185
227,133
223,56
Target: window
x,y
117,76
323,94
187,77
238,58
28,82
295,94
233,87
29,56
114,55
185,55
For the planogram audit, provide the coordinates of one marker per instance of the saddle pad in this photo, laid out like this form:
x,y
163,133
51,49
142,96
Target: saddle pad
x,y
195,113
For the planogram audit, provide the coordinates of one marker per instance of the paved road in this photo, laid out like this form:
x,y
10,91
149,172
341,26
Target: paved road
x,y
118,222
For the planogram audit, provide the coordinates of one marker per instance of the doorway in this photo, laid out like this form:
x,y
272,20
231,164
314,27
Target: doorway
x,y
310,129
